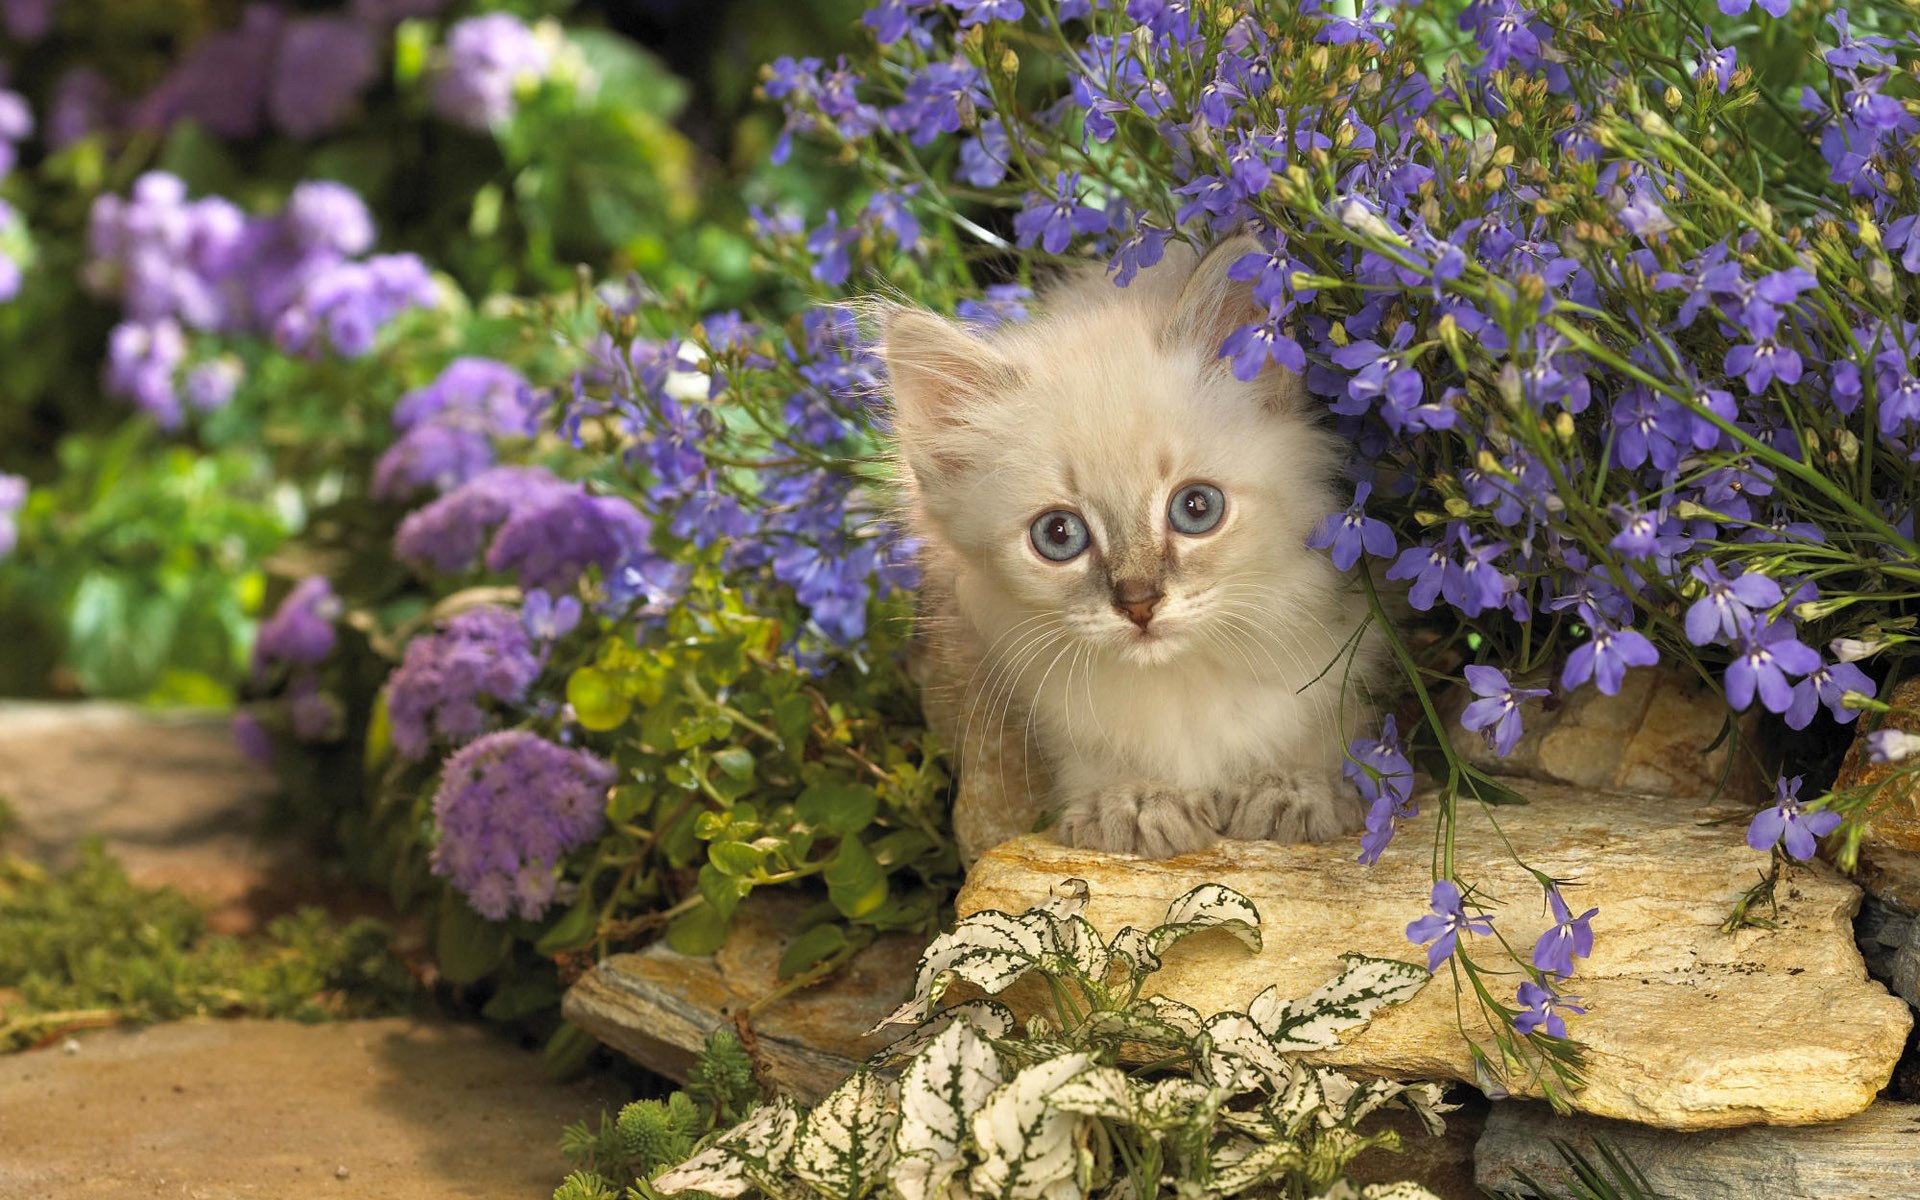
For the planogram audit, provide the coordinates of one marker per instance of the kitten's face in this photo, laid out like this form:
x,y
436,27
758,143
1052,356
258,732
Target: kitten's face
x,y
1146,502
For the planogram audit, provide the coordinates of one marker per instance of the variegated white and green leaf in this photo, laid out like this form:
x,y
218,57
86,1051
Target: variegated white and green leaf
x,y
1029,1150
1153,1021
1238,1056
988,949
1100,1092
1313,1021
753,1154
1171,1103
1243,1163
843,1146
942,1088
1065,899
1209,906
989,1018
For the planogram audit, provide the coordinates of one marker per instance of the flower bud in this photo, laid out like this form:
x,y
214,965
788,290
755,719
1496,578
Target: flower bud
x,y
1673,98
1009,62
1563,426
1853,649
1849,446
1654,124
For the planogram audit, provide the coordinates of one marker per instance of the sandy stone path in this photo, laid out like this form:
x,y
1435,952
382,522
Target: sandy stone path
x,y
216,1109
207,1110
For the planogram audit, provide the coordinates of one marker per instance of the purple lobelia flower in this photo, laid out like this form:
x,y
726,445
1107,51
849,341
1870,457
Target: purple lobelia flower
x,y
548,619
1541,1009
1496,714
1379,769
436,692
488,60
300,632
1441,930
1727,609
1571,937
1350,533
1827,684
1606,657
508,807
1053,222
1427,567
1787,824
1001,303
1767,654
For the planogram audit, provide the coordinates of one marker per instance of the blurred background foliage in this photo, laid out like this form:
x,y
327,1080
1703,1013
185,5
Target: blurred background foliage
x,y
144,550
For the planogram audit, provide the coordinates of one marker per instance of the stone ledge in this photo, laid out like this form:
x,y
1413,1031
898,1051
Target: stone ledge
x,y
1688,1028
1874,1155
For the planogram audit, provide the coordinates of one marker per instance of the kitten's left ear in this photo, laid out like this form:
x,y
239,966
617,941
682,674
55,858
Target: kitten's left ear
x,y
1210,305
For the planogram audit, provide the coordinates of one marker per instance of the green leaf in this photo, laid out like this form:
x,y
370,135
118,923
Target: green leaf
x,y
811,947
736,761
844,808
467,946
734,858
573,930
522,998
698,931
723,891
855,883
1491,791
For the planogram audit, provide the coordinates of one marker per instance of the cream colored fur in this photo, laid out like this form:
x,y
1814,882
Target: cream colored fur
x,y
1225,716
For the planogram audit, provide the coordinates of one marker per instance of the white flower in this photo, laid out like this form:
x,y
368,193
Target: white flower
x,y
1892,745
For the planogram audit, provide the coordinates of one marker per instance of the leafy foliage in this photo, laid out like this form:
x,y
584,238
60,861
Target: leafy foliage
x,y
985,1106
86,946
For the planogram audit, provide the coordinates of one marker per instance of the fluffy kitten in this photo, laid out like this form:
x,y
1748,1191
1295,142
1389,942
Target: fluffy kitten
x,y
1115,530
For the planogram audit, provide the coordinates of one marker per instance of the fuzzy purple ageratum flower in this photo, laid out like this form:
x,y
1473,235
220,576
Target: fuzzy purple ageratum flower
x,y
13,497
300,632
509,806
480,654
447,535
440,457
488,59
323,65
474,393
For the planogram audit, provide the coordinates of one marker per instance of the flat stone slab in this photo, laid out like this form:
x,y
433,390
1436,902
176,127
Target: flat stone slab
x,y
1874,1155
226,1109
657,1007
1688,1028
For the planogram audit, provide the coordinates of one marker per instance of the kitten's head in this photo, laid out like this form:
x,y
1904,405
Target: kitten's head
x,y
1101,465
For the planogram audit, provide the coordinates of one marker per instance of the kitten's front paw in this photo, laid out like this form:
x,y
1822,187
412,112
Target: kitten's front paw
x,y
1153,822
1289,806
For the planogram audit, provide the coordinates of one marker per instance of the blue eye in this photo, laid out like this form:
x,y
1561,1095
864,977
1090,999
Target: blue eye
x,y
1059,535
1197,508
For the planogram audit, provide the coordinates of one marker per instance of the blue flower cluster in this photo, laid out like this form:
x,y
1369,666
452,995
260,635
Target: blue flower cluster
x,y
177,265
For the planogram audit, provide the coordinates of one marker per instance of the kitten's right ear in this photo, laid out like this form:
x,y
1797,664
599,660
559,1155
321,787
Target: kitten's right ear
x,y
939,373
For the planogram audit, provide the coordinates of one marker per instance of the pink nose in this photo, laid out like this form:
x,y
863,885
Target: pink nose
x,y
1136,599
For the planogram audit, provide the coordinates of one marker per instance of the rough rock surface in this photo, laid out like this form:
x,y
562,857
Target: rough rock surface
x,y
1689,1028
1650,740
227,1109
1872,1156
657,1007
1890,841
